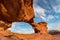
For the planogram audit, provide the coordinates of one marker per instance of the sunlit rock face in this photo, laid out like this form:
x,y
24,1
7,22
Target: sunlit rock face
x,y
16,10
21,31
40,27
8,35
4,26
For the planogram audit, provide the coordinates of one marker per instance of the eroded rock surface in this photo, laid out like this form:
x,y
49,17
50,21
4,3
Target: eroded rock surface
x,y
8,35
4,25
16,10
20,11
40,28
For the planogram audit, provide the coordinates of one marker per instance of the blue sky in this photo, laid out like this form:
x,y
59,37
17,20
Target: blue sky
x,y
48,11
45,10
22,28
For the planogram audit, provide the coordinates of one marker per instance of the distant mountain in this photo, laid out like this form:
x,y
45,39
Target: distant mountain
x,y
54,32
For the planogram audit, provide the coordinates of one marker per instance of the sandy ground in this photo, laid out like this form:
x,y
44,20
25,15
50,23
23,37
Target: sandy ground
x,y
56,37
55,33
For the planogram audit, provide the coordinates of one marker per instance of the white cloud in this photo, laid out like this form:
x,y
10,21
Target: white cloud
x,y
57,8
39,10
54,26
57,16
41,13
44,18
50,17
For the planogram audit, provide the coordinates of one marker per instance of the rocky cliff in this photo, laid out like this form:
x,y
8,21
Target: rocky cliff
x,y
20,11
16,10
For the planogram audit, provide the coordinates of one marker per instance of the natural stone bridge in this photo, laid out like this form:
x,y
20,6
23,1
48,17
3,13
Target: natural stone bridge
x,y
16,11
20,11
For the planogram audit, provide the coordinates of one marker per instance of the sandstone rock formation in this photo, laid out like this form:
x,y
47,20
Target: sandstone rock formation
x,y
42,26
40,29
16,10
8,35
20,11
4,25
